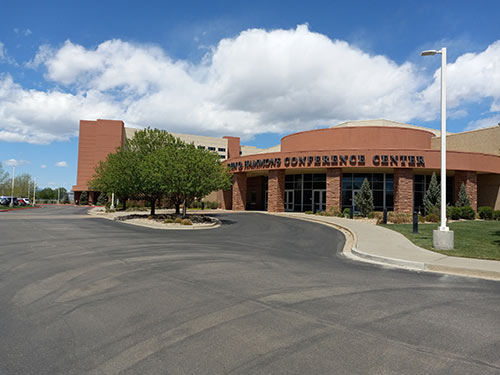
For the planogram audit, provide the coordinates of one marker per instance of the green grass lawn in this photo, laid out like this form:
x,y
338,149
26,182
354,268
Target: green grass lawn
x,y
473,239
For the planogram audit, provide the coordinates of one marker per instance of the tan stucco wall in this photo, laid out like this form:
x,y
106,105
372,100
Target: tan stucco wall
x,y
486,141
488,190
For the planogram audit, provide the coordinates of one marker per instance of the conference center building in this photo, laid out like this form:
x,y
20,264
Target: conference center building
x,y
323,169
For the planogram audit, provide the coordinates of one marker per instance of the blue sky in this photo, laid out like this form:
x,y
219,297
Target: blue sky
x,y
258,70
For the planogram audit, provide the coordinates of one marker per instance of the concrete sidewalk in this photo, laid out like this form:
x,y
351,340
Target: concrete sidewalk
x,y
374,243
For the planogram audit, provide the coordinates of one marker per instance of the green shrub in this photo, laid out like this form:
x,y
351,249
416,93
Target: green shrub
x,y
485,212
432,196
178,220
496,215
467,213
453,213
195,204
309,212
84,198
463,199
151,217
186,222
168,221
211,205
364,199
432,218
102,199
347,212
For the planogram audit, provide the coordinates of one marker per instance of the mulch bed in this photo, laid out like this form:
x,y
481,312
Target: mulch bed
x,y
196,219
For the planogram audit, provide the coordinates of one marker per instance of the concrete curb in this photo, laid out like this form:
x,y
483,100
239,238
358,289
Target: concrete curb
x,y
352,252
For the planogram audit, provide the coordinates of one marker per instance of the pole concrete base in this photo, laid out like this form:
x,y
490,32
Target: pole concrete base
x,y
442,240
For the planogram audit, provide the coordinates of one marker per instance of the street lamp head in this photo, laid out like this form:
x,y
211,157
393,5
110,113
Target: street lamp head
x,y
430,52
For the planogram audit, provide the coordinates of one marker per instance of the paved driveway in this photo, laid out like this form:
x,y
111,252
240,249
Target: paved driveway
x,y
261,294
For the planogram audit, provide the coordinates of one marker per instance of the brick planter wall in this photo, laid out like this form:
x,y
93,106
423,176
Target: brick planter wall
x,y
239,191
276,191
333,189
403,190
469,178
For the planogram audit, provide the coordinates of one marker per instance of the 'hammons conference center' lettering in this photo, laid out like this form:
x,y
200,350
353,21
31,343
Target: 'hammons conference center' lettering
x,y
328,161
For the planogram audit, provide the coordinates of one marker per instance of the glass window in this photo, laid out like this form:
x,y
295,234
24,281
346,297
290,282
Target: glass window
x,y
211,148
221,149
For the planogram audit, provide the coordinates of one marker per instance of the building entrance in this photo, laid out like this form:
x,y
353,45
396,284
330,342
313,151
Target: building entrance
x,y
319,200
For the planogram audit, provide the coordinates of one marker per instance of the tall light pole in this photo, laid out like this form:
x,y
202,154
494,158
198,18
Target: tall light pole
x,y
12,192
442,239
34,191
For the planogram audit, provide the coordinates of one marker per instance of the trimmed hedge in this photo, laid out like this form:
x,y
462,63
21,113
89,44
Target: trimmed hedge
x,y
485,212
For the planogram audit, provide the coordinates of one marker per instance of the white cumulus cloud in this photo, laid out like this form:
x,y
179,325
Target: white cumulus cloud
x,y
16,163
259,81
62,164
43,166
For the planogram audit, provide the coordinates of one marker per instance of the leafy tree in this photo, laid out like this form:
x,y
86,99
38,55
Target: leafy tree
x,y
84,198
193,173
432,197
364,199
146,146
117,174
47,193
4,180
463,199
65,199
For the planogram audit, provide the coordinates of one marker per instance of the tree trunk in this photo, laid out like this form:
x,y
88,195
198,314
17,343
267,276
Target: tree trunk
x,y
177,208
153,203
184,209
124,208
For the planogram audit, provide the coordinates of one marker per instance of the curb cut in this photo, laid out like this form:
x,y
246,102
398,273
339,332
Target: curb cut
x,y
392,261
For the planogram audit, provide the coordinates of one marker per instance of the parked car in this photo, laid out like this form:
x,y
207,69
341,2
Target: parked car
x,y
5,200
23,201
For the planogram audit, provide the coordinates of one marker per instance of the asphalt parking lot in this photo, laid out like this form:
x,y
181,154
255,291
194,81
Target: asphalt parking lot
x,y
260,294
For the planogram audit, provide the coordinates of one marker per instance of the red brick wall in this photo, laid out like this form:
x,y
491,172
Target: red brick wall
x,y
225,198
403,190
239,191
96,140
333,189
233,147
276,191
469,178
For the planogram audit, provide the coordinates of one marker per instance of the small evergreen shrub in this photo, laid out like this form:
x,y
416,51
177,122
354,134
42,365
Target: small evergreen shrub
x,y
467,213
432,196
168,221
84,198
347,212
463,199
485,212
178,220
309,212
496,215
186,222
364,199
102,199
453,212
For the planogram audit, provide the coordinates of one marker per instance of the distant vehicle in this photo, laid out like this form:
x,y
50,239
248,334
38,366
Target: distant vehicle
x,y
5,201
23,201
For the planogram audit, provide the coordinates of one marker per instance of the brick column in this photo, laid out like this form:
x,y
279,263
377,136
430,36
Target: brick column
x,y
276,191
92,198
469,178
403,190
239,191
225,199
334,189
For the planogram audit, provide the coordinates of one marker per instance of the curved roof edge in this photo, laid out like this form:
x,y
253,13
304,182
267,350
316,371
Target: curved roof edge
x,y
387,123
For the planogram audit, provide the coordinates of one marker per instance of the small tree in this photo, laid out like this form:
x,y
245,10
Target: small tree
x,y
364,199
102,199
463,199
432,197
65,199
84,198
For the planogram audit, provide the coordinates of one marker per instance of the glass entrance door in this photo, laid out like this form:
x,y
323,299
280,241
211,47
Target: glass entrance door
x,y
319,200
289,200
